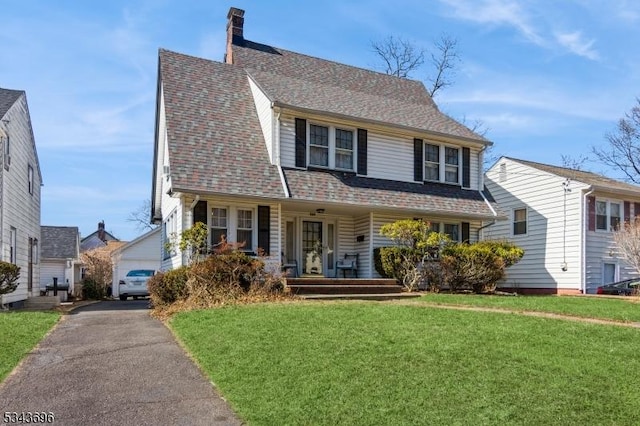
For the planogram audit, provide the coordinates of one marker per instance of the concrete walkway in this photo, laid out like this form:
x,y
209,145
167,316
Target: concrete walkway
x,y
112,364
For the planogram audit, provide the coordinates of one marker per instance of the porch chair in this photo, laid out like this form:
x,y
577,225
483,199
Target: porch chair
x,y
349,263
289,265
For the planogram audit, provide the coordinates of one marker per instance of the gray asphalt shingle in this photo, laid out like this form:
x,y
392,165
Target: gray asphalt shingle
x,y
59,242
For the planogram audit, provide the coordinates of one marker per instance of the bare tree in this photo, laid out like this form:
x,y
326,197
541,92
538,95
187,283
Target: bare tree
x,y
623,151
444,60
141,217
627,238
401,58
575,163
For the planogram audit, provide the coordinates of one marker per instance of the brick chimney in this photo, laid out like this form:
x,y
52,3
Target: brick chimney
x,y
235,31
101,234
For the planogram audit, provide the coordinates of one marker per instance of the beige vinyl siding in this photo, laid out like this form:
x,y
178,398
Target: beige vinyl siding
x,y
362,227
287,141
265,115
346,236
549,240
389,157
474,168
19,208
48,270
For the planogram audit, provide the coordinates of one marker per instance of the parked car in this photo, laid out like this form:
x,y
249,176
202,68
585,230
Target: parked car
x,y
135,283
621,288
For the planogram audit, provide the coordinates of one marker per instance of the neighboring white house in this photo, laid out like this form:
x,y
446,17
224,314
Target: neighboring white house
x,y
60,257
144,252
563,219
306,157
20,181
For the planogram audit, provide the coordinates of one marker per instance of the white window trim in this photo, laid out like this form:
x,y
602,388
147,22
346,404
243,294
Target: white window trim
x,y
513,221
30,178
171,230
442,164
332,145
232,222
13,245
608,203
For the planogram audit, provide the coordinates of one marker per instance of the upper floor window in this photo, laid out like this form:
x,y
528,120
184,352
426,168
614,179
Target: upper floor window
x,y
331,147
608,215
7,149
441,163
30,179
170,234
520,221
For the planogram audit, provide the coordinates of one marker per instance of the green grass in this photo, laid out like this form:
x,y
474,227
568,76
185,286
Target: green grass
x,y
19,333
627,310
369,363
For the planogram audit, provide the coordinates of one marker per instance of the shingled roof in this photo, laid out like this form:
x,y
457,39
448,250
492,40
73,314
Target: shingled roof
x,y
347,188
8,97
596,180
59,242
214,136
301,81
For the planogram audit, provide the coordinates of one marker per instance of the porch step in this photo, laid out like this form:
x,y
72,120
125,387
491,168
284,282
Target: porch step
x,y
342,286
42,303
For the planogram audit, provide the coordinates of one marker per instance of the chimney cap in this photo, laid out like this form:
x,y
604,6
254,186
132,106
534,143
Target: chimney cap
x,y
234,11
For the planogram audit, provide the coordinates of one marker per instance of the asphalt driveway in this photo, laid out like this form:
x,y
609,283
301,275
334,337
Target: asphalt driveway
x,y
111,363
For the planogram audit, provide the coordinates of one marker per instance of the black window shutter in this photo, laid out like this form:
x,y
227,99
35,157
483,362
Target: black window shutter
x,y
301,142
362,151
418,164
200,212
264,232
466,168
465,232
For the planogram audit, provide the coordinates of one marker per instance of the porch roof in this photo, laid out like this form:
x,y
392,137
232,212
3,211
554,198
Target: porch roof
x,y
349,189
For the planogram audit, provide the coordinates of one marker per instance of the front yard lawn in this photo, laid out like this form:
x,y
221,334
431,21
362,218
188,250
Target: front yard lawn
x,y
384,363
627,309
19,333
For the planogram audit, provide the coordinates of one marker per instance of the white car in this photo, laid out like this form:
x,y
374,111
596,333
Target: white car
x,y
135,283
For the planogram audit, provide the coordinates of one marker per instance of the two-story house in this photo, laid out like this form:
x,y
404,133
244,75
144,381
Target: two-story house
x,y
564,220
20,181
306,158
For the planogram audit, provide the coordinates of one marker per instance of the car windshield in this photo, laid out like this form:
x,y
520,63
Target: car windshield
x,y
140,273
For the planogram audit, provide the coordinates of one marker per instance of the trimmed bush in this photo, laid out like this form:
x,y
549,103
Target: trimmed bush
x,y
9,274
92,290
478,266
168,287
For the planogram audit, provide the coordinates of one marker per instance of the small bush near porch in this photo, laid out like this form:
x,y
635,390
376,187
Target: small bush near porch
x,y
19,333
422,258
373,363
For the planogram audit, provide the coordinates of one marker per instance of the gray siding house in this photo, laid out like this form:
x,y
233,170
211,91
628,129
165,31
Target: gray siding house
x,y
60,256
20,181
304,157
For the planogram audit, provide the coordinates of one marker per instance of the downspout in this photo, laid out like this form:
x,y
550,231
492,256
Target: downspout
x,y
583,243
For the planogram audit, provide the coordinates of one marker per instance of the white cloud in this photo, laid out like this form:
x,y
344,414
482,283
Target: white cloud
x,y
576,44
497,12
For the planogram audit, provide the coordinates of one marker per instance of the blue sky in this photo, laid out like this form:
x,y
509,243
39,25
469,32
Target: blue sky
x,y
546,77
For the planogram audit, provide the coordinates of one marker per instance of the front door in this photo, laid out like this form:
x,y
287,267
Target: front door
x,y
312,248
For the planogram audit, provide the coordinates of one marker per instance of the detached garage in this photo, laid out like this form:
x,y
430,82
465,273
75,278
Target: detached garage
x,y
59,256
144,252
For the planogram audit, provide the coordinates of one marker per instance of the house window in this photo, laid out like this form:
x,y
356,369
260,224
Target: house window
x,y
318,145
601,215
13,245
431,162
451,165
434,226
30,179
452,230
331,147
244,232
614,216
36,252
441,163
608,215
344,149
520,221
218,225
170,234
7,152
